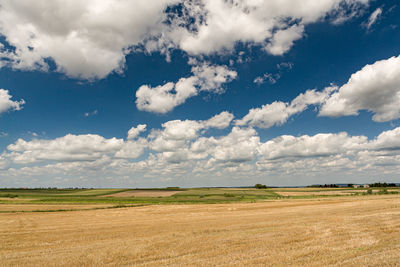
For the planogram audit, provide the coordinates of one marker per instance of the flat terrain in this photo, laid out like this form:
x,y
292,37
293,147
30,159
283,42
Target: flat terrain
x,y
118,197
144,193
343,231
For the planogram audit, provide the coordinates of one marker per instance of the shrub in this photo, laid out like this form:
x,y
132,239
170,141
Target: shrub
x,y
260,186
383,191
9,195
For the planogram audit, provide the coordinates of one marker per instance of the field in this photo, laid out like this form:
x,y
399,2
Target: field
x,y
120,197
242,227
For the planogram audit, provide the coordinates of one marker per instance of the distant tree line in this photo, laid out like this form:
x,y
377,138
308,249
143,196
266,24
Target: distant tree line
x,y
379,184
324,185
260,186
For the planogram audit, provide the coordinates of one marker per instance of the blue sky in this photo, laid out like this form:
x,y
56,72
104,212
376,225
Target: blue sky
x,y
206,93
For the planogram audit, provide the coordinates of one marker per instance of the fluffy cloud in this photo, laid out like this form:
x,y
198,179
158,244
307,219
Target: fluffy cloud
x,y
375,88
320,145
182,149
7,104
132,149
68,148
275,25
177,134
219,121
164,98
86,39
240,145
388,140
90,39
277,113
134,132
283,40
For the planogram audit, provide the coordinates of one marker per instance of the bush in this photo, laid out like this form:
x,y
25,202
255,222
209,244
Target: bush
x,y
383,191
9,195
260,186
369,191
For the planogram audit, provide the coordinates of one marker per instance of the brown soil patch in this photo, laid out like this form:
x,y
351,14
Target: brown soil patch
x,y
144,193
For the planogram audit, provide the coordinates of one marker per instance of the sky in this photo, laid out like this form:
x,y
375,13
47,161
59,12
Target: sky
x,y
135,93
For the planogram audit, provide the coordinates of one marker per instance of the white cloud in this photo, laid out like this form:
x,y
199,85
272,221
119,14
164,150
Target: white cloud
x,y
94,112
277,113
68,148
267,116
375,88
272,79
373,18
134,132
7,104
86,39
132,149
181,150
240,145
90,39
274,24
388,140
283,40
219,121
177,134
319,145
164,98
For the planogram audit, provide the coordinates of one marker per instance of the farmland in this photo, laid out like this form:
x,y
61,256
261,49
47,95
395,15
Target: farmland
x,y
199,227
118,197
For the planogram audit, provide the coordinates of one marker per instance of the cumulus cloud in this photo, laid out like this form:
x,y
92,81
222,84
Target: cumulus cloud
x,y
275,25
319,145
388,140
219,121
176,134
90,39
68,148
182,149
283,40
132,149
135,131
164,98
375,88
277,113
7,104
240,145
86,39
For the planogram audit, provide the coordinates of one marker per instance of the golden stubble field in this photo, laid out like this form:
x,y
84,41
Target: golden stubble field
x,y
350,231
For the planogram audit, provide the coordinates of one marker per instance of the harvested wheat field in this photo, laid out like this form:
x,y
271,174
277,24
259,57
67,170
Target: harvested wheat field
x,y
350,231
143,193
52,207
